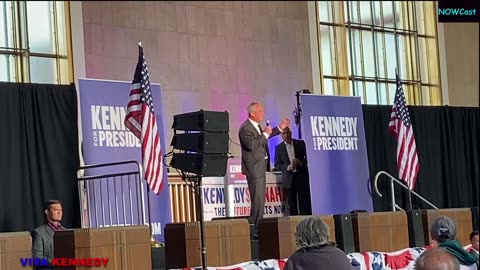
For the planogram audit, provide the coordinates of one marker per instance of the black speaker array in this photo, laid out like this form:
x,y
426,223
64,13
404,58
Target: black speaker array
x,y
416,236
344,232
204,142
206,121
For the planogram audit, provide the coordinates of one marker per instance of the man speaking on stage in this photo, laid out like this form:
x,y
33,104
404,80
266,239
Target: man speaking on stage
x,y
255,157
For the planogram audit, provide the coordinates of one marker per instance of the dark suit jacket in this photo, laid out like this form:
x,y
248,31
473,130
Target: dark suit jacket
x,y
253,149
282,161
42,243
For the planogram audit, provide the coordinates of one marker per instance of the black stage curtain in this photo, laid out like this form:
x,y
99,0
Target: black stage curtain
x,y
38,154
448,148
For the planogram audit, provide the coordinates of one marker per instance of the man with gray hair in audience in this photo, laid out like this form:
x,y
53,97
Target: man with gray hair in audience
x,y
436,259
442,234
316,250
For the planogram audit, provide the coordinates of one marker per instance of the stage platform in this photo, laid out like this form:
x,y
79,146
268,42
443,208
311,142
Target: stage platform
x,y
229,242
159,263
357,232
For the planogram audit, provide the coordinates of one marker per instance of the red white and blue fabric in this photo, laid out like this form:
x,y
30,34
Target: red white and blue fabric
x,y
400,126
400,260
141,121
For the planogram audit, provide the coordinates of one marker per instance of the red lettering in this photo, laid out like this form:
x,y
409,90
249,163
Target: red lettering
x,y
247,195
81,261
242,211
55,261
278,194
269,195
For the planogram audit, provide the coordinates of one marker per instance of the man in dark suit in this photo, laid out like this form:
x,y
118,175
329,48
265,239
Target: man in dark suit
x,y
42,237
255,157
291,160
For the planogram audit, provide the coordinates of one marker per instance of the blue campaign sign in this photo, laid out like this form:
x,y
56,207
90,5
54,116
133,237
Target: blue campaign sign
x,y
337,154
105,140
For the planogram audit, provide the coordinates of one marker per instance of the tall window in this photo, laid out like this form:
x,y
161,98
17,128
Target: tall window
x,y
363,44
34,42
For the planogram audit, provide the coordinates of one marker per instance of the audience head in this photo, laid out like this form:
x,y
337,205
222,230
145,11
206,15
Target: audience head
x,y
313,232
474,240
53,211
437,259
442,229
255,112
287,135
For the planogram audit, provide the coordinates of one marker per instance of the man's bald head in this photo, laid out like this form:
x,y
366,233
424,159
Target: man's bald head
x,y
437,259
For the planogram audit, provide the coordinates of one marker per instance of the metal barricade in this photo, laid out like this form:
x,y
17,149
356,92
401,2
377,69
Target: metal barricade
x,y
113,198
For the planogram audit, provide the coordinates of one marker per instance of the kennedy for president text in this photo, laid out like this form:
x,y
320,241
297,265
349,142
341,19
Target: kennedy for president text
x,y
334,133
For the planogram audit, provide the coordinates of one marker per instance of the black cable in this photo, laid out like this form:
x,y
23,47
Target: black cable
x,y
232,141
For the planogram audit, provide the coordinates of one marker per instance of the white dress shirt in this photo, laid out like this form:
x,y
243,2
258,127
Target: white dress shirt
x,y
256,125
291,155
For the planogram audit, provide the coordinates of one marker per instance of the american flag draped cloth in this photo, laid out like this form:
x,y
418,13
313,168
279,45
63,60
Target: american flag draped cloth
x,y
401,128
141,121
398,260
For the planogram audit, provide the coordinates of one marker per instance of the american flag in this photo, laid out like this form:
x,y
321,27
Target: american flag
x,y
401,128
141,121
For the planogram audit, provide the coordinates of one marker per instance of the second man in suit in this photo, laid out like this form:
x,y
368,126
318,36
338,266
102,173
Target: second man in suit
x,y
42,237
291,160
255,157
